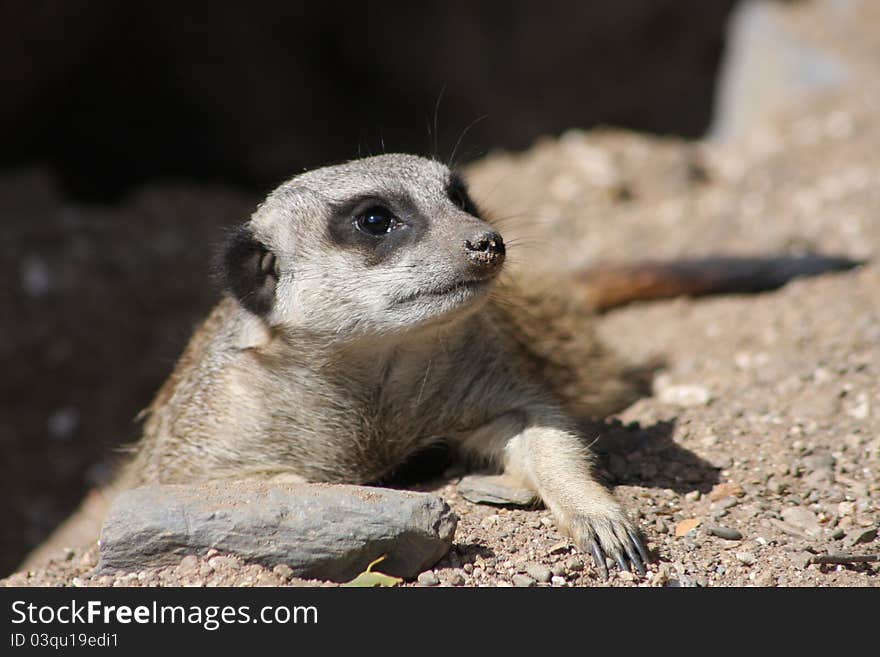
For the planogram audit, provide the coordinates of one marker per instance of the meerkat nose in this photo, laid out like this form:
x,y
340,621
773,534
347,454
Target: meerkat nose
x,y
486,250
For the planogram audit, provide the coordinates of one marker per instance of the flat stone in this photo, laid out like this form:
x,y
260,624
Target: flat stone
x,y
787,528
522,581
821,461
428,578
727,533
575,565
320,531
858,537
747,558
539,572
489,489
803,519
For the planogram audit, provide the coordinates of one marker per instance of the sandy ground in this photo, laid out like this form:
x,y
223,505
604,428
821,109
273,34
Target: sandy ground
x,y
759,452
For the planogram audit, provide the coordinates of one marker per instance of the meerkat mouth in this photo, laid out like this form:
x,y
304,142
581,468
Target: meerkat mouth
x,y
463,289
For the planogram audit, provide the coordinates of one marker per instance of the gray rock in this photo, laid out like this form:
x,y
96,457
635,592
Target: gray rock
x,y
283,571
862,536
776,486
747,558
575,565
539,572
522,581
820,461
319,531
803,519
488,489
188,565
727,503
428,578
724,532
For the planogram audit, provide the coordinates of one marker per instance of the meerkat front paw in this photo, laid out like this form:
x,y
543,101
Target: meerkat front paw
x,y
608,533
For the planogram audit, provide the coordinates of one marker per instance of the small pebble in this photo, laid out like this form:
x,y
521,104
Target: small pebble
x,y
556,580
727,503
574,565
802,518
776,486
727,533
747,558
221,562
539,572
681,395
428,578
283,571
457,579
522,581
765,579
188,565
859,537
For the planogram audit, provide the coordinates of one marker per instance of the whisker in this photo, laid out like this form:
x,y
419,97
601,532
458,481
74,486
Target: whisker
x,y
436,152
451,162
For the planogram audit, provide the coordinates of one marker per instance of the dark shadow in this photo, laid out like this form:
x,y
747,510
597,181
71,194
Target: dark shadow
x,y
634,455
426,466
468,552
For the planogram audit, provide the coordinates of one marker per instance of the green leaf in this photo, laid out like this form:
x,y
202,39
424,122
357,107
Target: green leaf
x,y
369,578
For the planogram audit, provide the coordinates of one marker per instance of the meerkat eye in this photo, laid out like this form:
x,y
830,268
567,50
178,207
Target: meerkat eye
x,y
376,221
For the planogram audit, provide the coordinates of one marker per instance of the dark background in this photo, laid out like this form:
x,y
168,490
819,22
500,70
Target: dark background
x,y
132,133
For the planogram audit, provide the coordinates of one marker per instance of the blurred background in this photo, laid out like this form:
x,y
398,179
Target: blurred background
x,y
132,133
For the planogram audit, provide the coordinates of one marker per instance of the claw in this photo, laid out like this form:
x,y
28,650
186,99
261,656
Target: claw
x,y
637,541
621,562
599,558
635,561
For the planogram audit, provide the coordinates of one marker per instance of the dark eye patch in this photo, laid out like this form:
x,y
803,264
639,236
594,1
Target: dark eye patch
x,y
376,225
457,192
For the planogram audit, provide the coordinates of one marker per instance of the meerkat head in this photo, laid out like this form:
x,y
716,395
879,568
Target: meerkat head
x,y
373,246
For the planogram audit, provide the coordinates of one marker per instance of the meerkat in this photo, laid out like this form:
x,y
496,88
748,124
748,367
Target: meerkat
x,y
363,320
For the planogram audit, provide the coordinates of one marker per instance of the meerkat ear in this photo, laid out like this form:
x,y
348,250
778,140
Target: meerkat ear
x,y
250,271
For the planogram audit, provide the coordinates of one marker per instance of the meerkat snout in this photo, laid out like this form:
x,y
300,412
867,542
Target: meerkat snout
x,y
486,251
